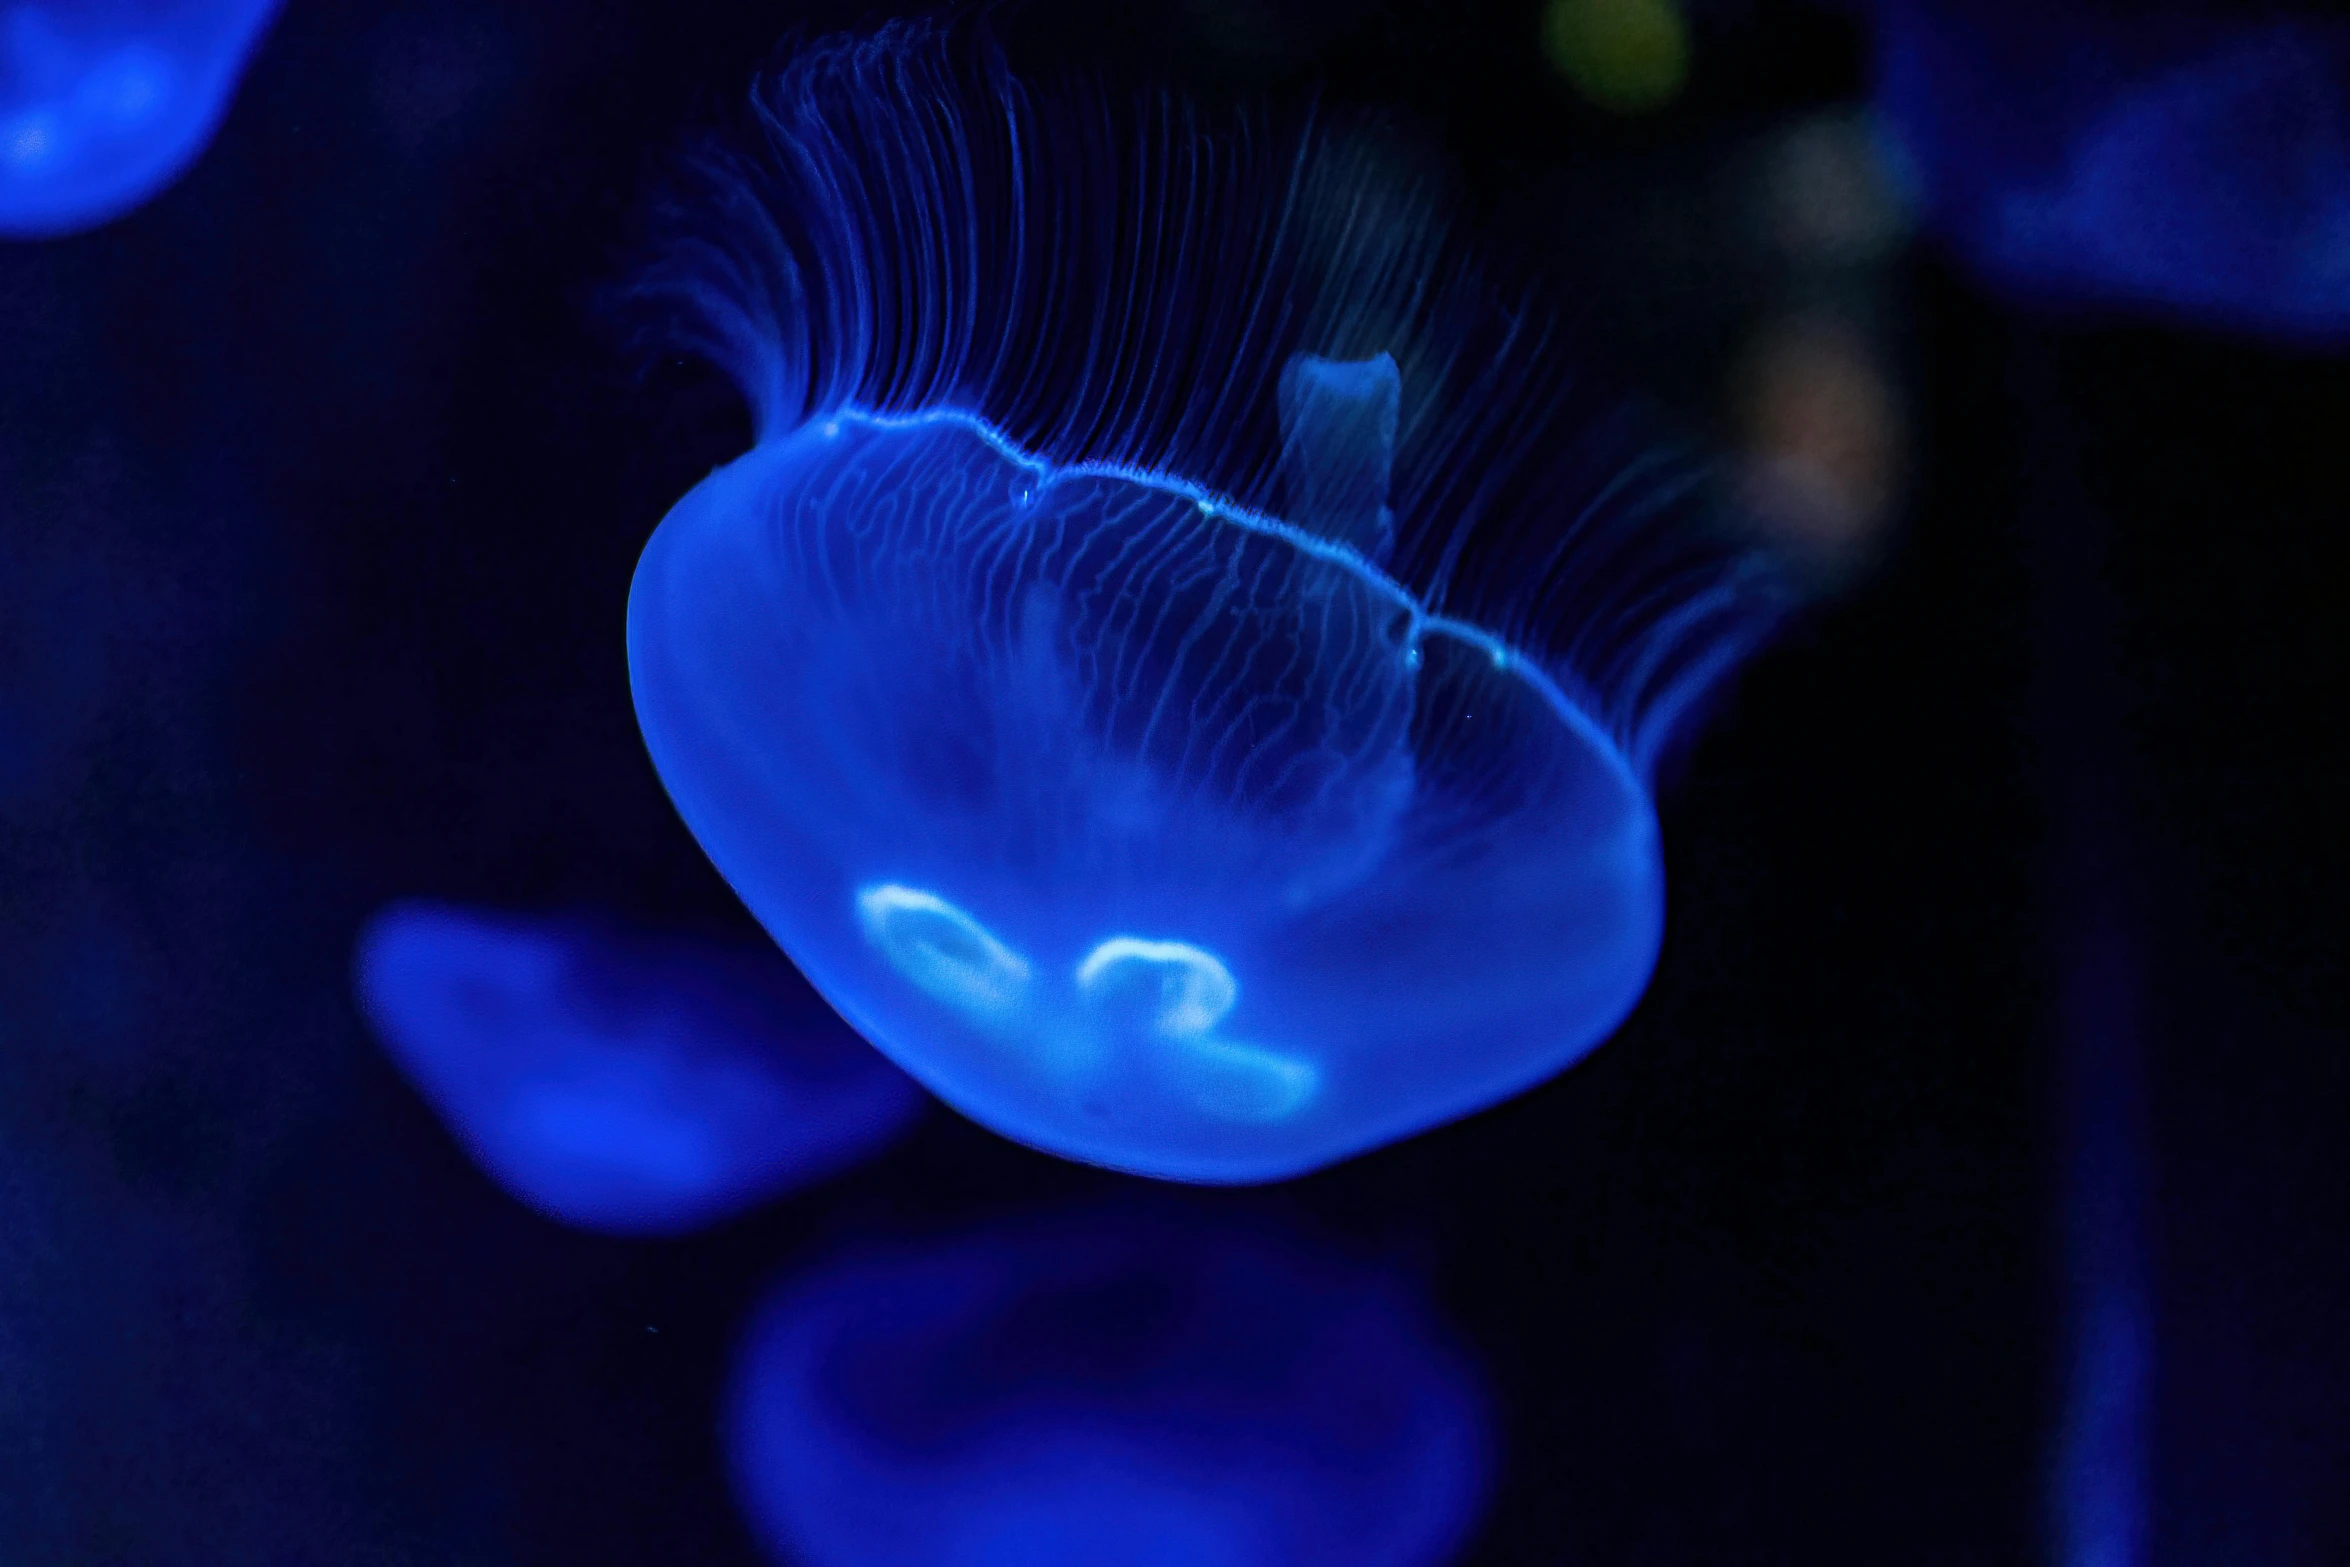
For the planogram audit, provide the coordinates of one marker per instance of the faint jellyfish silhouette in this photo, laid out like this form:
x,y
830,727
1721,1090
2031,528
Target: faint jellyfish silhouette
x,y
620,1083
1133,1384
2194,166
105,102
1181,668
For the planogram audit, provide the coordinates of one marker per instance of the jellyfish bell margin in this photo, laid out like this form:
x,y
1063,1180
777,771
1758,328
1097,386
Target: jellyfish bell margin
x,y
103,103
1207,776
1132,1382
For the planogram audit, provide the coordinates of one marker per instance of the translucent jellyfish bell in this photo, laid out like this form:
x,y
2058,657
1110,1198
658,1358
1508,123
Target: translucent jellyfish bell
x,y
104,102
1126,1385
621,1084
1179,671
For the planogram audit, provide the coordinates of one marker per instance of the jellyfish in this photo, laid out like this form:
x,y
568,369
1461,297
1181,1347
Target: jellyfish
x,y
1128,1383
105,102
618,1083
1183,666
2194,167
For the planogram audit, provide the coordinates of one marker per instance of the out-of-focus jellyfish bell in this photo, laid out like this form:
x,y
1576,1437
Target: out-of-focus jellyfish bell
x,y
1117,1385
1181,668
104,102
2198,166
619,1083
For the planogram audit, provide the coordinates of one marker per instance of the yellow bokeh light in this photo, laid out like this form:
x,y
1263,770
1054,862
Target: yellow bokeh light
x,y
1629,56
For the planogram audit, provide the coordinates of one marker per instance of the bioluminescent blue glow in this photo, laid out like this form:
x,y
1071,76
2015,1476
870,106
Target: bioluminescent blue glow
x,y
1180,669
1129,1385
2199,167
618,1083
105,102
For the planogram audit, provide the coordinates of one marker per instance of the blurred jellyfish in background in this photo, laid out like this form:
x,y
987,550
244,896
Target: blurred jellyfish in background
x,y
1134,1384
1182,668
104,102
2197,166
620,1083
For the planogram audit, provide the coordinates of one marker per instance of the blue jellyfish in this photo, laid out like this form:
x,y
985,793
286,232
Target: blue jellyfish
x,y
104,102
617,1083
2194,166
1124,1384
1181,667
